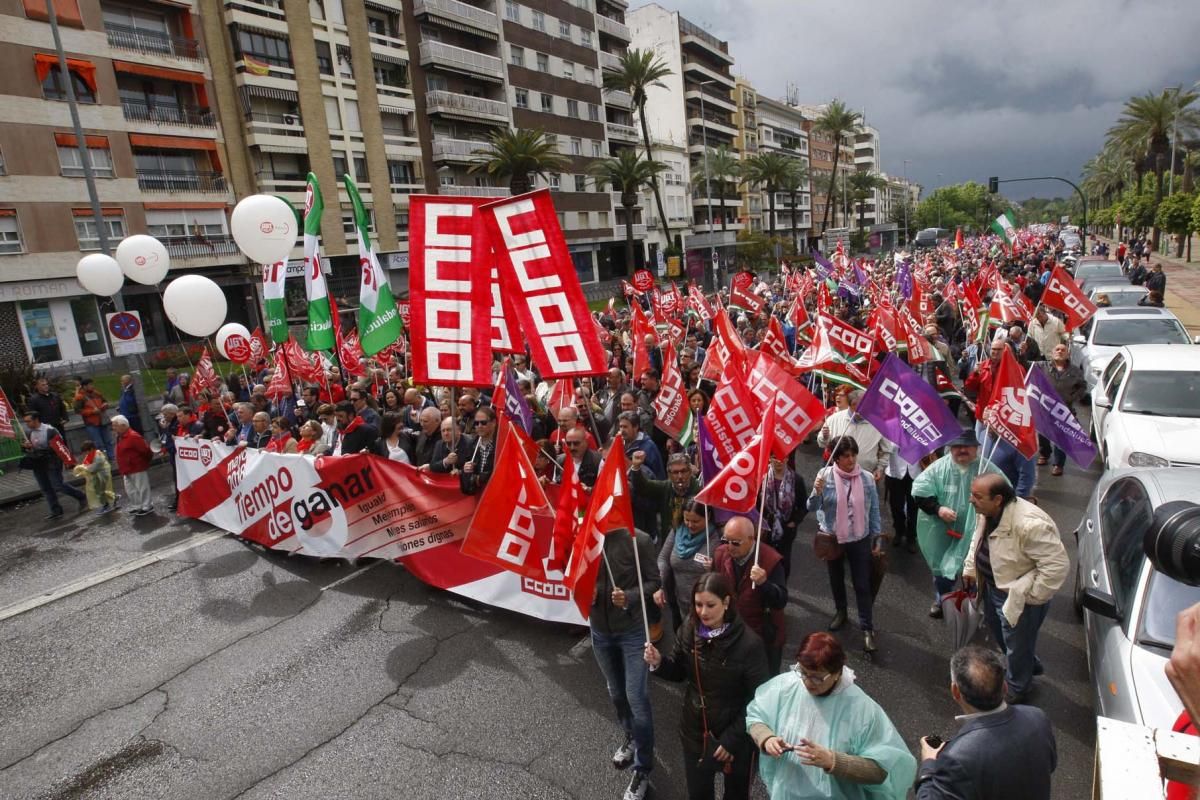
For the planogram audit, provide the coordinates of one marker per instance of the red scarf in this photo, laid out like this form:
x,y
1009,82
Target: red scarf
x,y
278,443
352,426
304,445
90,457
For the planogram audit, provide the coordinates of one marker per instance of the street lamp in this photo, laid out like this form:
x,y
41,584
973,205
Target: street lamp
x,y
707,181
939,177
907,199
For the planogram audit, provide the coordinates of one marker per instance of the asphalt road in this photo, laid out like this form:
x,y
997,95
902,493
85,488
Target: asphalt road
x,y
214,670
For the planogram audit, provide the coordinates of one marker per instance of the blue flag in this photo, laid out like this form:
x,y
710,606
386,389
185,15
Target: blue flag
x,y
907,411
1054,420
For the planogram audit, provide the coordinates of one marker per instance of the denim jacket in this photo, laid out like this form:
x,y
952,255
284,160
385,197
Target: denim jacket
x,y
825,504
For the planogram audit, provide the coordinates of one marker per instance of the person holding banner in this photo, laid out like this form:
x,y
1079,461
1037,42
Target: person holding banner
x,y
42,447
685,556
847,506
1071,386
722,661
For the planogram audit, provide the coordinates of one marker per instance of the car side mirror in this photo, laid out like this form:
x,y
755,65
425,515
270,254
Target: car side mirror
x,y
1102,402
1196,340
1100,603
1081,339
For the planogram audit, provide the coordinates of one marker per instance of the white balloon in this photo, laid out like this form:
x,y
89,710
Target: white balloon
x,y
100,274
195,305
233,342
143,259
264,228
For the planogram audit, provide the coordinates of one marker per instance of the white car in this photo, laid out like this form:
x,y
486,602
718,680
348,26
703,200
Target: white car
x,y
1119,295
1098,340
1146,407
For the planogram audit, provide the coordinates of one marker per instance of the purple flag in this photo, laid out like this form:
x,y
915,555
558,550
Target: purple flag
x,y
1054,420
907,411
514,403
822,265
904,280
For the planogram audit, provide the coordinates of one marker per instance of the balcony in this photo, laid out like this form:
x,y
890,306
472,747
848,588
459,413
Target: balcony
x,y
694,35
618,98
721,100
709,73
137,111
713,124
464,106
609,61
609,26
163,181
121,37
453,11
184,248
639,230
624,133
462,150
459,59
475,191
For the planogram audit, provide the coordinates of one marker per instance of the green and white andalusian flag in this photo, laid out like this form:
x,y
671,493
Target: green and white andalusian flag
x,y
378,318
1005,227
320,319
274,287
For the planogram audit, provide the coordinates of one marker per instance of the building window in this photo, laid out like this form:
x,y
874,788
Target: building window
x,y
98,155
595,149
339,162
83,78
400,172
516,55
512,11
89,236
573,109
593,112
3,169
564,29
268,49
548,103
402,223
581,183
360,170
522,98
555,182
569,70
10,234
589,76
576,147
539,21
198,223
603,217
543,62
585,37
552,140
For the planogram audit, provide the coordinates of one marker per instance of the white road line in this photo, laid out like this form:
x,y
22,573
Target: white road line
x,y
353,575
68,589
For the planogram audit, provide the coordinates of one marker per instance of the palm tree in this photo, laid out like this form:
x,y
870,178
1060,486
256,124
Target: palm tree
x,y
518,155
836,122
792,183
627,172
722,165
1147,124
863,186
768,171
640,70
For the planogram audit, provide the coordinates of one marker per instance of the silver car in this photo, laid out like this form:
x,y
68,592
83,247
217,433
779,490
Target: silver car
x,y
1120,295
1097,340
1129,607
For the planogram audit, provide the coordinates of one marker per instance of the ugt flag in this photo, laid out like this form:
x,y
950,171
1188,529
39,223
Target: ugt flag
x,y
1054,420
907,411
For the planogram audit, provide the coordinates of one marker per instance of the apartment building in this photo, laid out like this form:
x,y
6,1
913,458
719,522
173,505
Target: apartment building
x,y
821,149
867,159
781,130
745,97
693,111
146,98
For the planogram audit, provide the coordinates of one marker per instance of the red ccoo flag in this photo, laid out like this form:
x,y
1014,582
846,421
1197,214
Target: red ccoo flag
x,y
7,418
1063,294
1008,413
735,487
608,511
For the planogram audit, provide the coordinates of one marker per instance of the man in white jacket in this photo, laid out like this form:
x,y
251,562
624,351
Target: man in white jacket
x,y
1047,331
873,449
1018,559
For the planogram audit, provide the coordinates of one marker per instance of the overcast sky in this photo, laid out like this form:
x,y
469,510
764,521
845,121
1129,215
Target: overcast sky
x,y
966,88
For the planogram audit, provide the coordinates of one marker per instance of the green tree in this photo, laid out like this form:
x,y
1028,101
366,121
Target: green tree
x,y
1196,213
768,171
792,183
628,172
639,71
1174,216
719,166
862,186
1135,210
517,155
967,205
836,121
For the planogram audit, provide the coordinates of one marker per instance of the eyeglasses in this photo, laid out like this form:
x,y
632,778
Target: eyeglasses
x,y
479,423
734,542
809,678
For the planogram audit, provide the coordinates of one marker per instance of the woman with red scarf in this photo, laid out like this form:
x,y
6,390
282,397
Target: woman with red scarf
x,y
281,437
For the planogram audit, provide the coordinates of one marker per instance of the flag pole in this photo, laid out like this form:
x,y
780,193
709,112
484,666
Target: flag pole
x,y
762,502
637,565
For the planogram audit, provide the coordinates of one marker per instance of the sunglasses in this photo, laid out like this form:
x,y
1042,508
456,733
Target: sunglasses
x,y
479,423
734,542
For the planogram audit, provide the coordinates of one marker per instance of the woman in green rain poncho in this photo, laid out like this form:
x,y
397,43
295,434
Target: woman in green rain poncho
x,y
822,737
947,519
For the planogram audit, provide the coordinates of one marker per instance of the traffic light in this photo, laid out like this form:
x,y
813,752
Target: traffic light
x,y
993,184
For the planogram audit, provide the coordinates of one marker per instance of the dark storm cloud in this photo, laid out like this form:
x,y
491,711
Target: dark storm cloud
x,y
965,89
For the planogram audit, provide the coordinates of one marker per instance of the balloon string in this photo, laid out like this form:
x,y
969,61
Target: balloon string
x,y
178,338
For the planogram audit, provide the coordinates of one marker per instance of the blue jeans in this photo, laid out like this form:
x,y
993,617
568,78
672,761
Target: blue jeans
x,y
942,587
1020,471
101,436
858,554
50,481
620,658
1020,642
1048,449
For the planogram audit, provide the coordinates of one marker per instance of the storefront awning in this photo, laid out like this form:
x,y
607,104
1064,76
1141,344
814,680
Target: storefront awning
x,y
69,140
171,142
151,71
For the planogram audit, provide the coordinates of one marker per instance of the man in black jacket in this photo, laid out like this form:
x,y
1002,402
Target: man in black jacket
x,y
1001,751
587,460
422,446
453,449
353,435
50,407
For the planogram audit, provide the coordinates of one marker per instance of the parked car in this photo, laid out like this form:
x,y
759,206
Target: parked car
x,y
1097,340
1120,295
1146,408
929,237
1128,606
1089,273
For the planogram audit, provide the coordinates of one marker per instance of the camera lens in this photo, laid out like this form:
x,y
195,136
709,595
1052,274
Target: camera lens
x,y
1172,542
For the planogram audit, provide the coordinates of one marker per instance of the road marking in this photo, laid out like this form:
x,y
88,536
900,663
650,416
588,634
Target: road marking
x,y
87,582
354,574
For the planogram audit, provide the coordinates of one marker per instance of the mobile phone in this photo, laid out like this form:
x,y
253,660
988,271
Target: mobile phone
x,y
934,741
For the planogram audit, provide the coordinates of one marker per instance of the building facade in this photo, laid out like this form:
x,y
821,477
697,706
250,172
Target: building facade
x,y
781,130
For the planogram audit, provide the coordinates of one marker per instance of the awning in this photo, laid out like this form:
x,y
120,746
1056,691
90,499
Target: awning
x,y
389,58
170,206
86,70
69,140
279,148
171,142
158,72
386,109
269,93
8,212
446,22
107,212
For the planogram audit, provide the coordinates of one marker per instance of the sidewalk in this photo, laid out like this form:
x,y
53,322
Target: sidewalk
x,y
1183,287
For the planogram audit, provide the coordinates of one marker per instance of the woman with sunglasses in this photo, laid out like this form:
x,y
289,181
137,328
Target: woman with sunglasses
x,y
723,663
821,735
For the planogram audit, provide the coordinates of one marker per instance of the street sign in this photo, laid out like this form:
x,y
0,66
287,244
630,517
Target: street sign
x,y
125,332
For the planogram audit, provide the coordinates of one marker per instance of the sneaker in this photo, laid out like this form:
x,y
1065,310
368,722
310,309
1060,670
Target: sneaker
x,y
1057,471
935,611
623,756
104,509
54,515
1016,698
140,512
638,785
869,642
838,621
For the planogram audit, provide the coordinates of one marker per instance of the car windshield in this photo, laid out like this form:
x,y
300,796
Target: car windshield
x,y
1088,272
1119,298
1162,393
1116,332
1165,599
